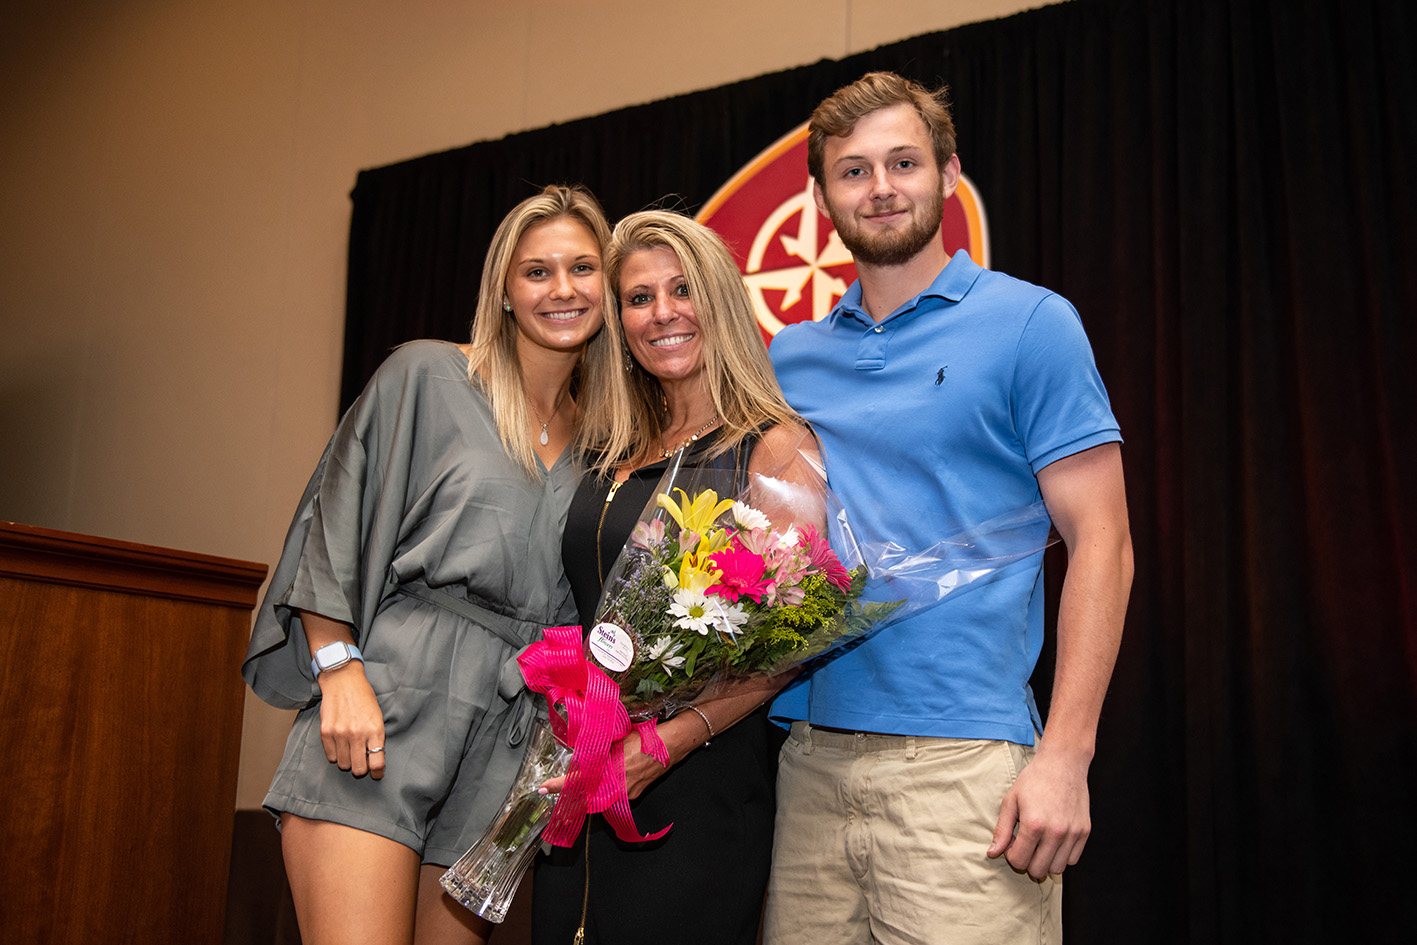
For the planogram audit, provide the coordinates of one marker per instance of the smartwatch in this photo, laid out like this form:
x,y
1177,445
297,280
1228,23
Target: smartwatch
x,y
333,656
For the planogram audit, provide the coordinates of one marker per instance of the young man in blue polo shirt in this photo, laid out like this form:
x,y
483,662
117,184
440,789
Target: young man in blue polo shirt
x,y
921,799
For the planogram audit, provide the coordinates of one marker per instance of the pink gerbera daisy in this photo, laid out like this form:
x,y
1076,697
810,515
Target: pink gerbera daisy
x,y
824,560
742,575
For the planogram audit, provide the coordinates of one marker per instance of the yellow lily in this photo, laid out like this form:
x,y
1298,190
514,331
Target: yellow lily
x,y
698,514
694,578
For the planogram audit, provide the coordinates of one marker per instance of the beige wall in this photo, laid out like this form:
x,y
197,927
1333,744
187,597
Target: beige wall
x,y
173,214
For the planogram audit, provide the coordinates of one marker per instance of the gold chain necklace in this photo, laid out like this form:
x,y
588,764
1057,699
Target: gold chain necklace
x,y
665,454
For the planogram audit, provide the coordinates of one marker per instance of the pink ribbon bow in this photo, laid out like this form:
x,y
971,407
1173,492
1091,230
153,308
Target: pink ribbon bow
x,y
594,726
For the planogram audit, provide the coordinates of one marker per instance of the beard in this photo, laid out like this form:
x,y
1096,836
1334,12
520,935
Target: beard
x,y
893,247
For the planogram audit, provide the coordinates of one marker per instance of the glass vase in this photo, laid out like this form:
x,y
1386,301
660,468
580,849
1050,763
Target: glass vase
x,y
486,877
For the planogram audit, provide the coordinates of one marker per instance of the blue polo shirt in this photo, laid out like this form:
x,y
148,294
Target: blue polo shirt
x,y
934,420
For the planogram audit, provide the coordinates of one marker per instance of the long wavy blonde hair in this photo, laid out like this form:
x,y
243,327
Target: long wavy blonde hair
x,y
493,364
737,371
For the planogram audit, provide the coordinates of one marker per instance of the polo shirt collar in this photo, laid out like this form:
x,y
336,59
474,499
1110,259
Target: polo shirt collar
x,y
952,284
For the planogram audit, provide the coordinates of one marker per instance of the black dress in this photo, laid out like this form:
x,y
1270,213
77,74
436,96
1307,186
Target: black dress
x,y
703,882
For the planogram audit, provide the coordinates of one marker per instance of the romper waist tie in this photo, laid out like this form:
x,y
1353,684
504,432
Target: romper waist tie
x,y
518,634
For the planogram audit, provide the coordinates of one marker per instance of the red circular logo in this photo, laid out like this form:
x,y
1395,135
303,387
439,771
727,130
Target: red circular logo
x,y
792,261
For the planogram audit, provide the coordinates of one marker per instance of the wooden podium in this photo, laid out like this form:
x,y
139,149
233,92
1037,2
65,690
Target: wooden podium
x,y
120,732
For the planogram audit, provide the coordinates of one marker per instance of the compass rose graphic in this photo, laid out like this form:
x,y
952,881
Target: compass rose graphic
x,y
826,288
795,266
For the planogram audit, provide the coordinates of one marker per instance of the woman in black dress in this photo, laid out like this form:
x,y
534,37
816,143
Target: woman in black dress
x,y
700,383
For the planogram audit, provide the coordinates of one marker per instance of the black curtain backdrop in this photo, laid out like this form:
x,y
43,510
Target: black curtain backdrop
x,y
1224,190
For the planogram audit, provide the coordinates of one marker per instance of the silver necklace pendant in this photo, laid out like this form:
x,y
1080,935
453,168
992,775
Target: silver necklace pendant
x,y
544,438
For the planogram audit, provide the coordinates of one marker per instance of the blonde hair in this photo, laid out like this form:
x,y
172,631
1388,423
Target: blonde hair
x,y
493,364
737,371
838,114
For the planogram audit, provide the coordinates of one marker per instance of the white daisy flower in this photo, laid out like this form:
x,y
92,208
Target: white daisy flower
x,y
748,517
727,616
663,650
693,610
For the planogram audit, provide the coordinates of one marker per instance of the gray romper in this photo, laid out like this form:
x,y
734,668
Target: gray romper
x,y
440,551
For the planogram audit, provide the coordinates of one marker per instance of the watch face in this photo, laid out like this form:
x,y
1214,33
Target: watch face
x,y
332,655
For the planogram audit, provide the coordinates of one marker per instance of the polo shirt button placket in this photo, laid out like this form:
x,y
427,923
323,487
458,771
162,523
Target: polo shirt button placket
x,y
871,349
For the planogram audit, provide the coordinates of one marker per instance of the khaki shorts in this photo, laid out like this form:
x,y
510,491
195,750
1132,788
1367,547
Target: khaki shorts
x,y
882,838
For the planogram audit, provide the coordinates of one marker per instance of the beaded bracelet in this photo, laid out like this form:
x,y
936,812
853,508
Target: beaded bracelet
x,y
707,724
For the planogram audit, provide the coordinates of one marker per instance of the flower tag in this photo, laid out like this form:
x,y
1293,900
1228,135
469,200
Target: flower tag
x,y
611,647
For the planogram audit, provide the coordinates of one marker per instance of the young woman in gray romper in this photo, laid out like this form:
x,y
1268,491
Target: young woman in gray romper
x,y
424,554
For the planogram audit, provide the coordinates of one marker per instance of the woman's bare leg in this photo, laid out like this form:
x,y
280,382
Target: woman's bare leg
x,y
351,887
441,919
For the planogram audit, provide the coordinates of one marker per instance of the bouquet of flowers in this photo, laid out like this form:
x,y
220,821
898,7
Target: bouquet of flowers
x,y
717,585
709,589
